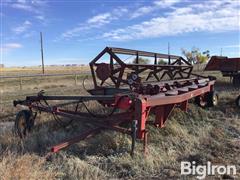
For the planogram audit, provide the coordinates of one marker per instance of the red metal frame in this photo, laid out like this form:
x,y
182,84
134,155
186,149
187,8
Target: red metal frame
x,y
133,104
229,67
177,67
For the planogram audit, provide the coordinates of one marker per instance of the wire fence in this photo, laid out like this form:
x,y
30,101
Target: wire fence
x,y
20,78
19,86
18,83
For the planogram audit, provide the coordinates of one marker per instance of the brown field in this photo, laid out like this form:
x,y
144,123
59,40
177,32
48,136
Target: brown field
x,y
38,70
211,134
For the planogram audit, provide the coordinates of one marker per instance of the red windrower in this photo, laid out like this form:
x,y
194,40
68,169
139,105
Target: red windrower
x,y
131,91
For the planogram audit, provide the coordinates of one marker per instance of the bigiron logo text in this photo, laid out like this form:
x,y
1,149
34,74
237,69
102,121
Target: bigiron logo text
x,y
201,171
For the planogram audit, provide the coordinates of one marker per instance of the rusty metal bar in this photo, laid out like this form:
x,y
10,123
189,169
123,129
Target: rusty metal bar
x,y
141,53
79,98
76,139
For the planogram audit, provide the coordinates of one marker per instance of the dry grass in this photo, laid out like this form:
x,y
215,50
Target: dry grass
x,y
7,71
26,166
193,135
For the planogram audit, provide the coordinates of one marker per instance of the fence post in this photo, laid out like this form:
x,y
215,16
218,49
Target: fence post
x,y
75,79
20,83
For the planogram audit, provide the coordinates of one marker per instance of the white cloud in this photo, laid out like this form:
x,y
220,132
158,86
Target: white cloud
x,y
194,16
24,7
10,46
21,1
183,10
166,3
100,19
142,11
160,4
221,17
40,17
34,6
119,11
95,22
22,28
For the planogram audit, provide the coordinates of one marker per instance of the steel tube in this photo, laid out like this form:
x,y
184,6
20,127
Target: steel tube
x,y
76,139
79,98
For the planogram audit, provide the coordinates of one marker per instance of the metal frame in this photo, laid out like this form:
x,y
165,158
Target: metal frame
x,y
128,105
177,66
229,67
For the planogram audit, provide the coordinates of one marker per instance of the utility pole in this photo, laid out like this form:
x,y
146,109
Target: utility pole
x,y
169,59
42,52
221,52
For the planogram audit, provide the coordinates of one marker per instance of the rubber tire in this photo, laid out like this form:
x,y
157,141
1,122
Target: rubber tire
x,y
236,80
26,115
237,101
212,99
200,101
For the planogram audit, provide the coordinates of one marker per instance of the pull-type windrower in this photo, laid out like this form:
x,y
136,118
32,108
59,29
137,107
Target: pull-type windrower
x,y
131,92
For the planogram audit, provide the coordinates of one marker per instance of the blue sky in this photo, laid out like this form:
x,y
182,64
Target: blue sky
x,y
75,31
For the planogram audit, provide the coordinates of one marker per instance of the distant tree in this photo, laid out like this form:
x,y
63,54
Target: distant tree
x,y
161,62
141,61
195,56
